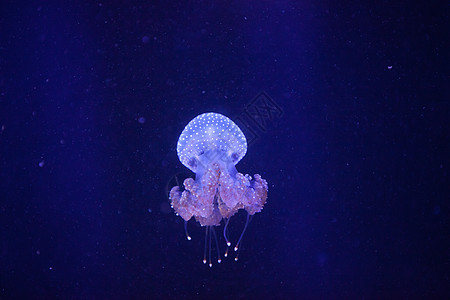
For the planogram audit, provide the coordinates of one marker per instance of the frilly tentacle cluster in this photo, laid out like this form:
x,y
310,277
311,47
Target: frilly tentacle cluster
x,y
219,195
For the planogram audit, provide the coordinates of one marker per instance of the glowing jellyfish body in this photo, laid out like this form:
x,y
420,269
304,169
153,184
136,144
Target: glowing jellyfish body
x,y
211,145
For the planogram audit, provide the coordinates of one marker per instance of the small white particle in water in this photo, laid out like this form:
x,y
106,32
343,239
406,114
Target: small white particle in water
x,y
389,67
149,210
41,163
38,252
203,92
141,120
50,268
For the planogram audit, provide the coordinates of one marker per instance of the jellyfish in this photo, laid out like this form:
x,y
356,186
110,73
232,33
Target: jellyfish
x,y
210,146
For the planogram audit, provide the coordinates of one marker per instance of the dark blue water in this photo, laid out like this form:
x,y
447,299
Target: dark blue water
x,y
345,107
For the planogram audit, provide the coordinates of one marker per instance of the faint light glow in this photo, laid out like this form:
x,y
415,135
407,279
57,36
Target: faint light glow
x,y
389,67
149,210
141,120
41,163
321,259
145,39
437,210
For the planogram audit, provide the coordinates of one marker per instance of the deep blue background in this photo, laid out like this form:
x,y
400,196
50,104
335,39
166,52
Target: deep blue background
x,y
94,96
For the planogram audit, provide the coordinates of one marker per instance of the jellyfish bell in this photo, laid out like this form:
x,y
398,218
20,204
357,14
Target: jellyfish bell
x,y
210,137
210,146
